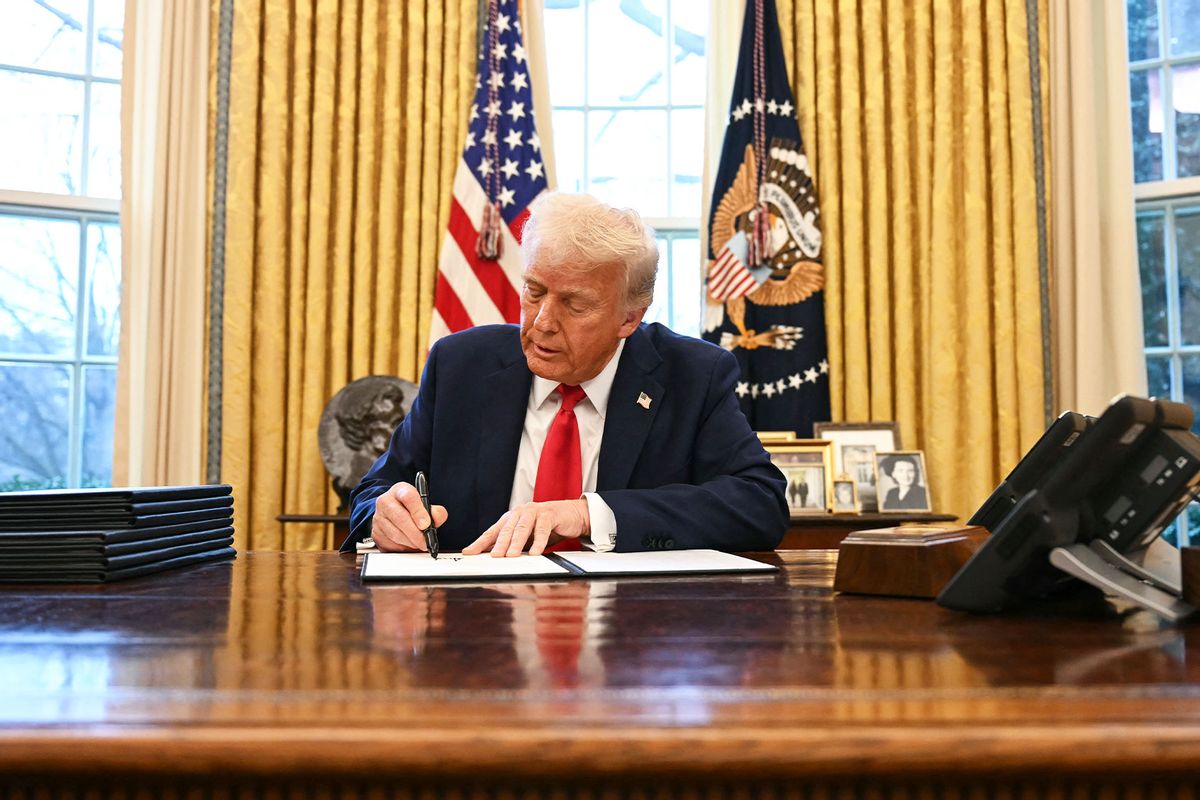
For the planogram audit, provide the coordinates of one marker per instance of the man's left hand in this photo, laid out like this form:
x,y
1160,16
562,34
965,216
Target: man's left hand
x,y
533,524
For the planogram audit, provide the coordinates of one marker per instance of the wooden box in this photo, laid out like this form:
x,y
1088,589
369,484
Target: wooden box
x,y
908,561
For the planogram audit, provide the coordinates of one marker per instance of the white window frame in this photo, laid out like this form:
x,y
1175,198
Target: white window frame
x,y
1166,196
82,209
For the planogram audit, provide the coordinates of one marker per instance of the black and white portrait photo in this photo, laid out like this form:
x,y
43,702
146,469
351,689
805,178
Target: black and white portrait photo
x,y
902,481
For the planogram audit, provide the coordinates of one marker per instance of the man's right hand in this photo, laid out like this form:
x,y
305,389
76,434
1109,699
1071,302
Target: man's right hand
x,y
400,519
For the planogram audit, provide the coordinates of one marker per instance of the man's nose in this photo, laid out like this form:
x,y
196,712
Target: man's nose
x,y
547,317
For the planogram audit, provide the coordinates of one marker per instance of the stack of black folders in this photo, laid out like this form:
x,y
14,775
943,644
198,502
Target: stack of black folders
x,y
102,535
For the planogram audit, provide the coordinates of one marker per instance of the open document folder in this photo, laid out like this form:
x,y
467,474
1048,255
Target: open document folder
x,y
452,566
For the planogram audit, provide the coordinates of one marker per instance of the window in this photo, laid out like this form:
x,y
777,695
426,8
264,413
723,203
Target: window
x,y
1164,88
627,86
60,244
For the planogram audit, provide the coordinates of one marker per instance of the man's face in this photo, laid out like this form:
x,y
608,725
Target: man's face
x,y
572,321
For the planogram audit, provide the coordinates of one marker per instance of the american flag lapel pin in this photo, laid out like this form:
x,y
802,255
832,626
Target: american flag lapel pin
x,y
644,401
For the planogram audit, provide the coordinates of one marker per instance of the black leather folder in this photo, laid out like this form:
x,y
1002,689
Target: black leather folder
x,y
91,522
56,544
118,570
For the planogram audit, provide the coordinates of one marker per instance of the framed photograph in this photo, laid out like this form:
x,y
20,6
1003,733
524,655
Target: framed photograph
x,y
776,437
845,496
808,466
854,447
903,482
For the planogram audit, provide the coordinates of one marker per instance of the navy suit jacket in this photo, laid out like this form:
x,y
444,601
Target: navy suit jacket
x,y
686,473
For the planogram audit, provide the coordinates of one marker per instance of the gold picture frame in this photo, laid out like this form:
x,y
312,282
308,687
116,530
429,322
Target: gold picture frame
x,y
844,499
807,464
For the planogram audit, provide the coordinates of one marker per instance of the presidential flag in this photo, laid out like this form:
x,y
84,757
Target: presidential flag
x,y
500,173
765,276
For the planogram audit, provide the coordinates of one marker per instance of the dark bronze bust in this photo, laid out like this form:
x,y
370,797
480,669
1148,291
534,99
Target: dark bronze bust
x,y
357,425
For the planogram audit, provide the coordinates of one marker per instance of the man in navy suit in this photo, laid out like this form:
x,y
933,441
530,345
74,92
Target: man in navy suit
x,y
667,458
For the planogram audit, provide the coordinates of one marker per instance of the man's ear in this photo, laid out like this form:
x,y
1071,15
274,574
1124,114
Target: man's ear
x,y
632,320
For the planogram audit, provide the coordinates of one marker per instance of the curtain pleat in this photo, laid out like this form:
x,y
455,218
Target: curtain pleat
x,y
919,120
345,122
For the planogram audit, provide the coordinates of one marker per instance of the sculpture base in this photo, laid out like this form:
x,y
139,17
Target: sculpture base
x,y
909,561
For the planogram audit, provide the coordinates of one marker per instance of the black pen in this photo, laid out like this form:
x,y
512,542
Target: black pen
x,y
431,540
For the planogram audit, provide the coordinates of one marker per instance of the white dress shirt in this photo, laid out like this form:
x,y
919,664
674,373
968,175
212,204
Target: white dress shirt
x,y
543,405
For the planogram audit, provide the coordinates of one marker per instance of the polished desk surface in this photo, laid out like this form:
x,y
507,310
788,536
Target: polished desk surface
x,y
285,663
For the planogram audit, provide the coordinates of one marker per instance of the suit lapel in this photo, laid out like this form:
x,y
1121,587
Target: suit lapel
x,y
503,398
626,421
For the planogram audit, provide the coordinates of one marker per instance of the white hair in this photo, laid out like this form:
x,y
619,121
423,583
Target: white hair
x,y
579,232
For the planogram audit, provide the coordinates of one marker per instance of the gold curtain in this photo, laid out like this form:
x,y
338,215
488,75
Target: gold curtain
x,y
918,117
345,123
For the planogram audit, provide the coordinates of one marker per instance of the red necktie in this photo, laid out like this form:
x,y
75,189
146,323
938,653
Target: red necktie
x,y
560,468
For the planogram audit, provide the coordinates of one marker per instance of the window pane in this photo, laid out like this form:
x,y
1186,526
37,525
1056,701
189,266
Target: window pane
x,y
39,269
689,28
109,22
660,309
1146,113
1152,265
1158,376
104,289
1191,387
568,150
1185,96
685,285
564,55
1142,18
104,142
99,402
44,38
34,402
627,155
687,159
1184,16
1187,250
42,119
626,53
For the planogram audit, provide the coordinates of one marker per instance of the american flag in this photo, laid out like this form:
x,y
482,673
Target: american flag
x,y
502,164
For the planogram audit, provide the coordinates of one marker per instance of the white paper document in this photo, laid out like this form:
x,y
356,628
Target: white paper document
x,y
695,561
452,566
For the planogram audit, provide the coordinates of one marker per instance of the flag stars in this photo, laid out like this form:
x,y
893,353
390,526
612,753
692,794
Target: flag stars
x,y
743,388
780,386
738,113
510,168
503,23
810,375
470,139
519,81
794,380
535,170
500,50
768,389
513,139
759,105
824,365
493,108
485,167
785,108
772,107
489,136
534,142
518,52
506,197
496,80
516,111
474,113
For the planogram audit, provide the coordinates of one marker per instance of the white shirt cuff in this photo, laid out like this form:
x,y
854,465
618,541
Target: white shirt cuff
x,y
603,537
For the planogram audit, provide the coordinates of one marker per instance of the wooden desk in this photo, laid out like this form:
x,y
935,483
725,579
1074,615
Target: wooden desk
x,y
826,531
281,676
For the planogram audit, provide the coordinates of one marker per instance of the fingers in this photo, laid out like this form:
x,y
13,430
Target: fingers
x,y
400,519
486,539
531,525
